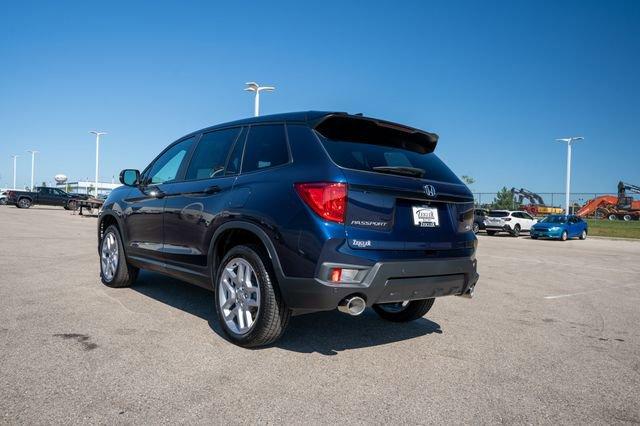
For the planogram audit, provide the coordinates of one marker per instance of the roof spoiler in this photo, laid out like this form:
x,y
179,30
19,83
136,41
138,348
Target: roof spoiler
x,y
355,128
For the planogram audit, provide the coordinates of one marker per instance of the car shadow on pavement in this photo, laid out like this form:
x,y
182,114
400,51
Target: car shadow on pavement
x,y
326,333
331,332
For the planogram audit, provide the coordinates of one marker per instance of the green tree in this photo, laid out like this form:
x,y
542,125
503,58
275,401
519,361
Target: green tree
x,y
504,200
467,179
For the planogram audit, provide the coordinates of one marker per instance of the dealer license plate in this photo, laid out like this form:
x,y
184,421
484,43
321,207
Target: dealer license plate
x,y
425,217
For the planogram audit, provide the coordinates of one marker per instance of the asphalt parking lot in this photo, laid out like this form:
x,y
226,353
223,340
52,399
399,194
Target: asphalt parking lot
x,y
551,336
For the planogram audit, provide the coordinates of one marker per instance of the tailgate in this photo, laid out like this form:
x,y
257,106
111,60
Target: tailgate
x,y
386,212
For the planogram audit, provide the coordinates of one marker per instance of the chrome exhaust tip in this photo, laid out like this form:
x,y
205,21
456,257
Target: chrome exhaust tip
x,y
469,292
353,305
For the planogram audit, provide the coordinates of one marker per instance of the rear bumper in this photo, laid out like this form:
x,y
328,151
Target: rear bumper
x,y
385,282
498,228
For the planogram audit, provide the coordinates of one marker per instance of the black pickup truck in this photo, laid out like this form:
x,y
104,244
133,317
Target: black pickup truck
x,y
42,195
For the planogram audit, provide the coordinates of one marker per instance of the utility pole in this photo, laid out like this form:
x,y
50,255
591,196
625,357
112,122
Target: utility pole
x,y
98,134
14,170
569,142
33,165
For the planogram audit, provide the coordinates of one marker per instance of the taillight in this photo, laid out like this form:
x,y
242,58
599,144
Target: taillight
x,y
327,199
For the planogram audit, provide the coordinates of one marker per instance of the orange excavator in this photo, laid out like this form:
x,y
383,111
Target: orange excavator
x,y
612,207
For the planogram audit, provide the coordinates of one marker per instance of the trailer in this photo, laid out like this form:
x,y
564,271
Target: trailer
x,y
90,204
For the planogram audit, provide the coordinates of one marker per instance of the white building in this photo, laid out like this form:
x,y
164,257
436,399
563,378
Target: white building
x,y
86,187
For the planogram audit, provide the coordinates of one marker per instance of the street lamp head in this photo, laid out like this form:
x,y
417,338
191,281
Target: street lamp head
x,y
252,86
97,133
32,151
571,139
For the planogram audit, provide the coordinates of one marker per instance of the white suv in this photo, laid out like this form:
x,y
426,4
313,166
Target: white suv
x,y
508,221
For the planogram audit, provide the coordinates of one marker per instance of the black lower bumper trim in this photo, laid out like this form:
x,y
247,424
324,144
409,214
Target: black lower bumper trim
x,y
385,282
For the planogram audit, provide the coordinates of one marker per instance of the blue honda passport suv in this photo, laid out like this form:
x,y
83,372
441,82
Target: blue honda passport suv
x,y
294,213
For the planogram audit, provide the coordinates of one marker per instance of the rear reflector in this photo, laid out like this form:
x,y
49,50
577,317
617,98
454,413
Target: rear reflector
x,y
327,199
336,275
344,275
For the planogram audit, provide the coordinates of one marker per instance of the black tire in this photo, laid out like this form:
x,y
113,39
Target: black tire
x,y
476,227
273,315
613,217
23,203
3,201
125,274
534,237
516,231
564,236
414,310
491,233
583,235
626,217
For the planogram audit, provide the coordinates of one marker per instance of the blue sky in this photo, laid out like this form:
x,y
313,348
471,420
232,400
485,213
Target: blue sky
x,y
497,80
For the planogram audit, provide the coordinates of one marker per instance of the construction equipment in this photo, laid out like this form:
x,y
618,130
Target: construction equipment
x,y
536,206
613,207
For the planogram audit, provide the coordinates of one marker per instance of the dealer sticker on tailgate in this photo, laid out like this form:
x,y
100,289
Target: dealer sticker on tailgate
x,y
425,217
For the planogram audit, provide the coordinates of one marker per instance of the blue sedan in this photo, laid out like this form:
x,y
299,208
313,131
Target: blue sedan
x,y
561,227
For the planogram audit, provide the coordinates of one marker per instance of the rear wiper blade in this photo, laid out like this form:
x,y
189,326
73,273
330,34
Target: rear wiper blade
x,y
400,170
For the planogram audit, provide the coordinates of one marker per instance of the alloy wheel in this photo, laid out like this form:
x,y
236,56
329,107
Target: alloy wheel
x,y
239,296
109,256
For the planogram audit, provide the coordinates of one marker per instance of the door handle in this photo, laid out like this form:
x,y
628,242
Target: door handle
x,y
213,189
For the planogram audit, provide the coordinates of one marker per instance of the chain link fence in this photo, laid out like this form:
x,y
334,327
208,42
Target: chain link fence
x,y
552,199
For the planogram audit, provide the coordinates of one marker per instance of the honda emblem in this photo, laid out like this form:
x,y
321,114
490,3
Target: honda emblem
x,y
430,190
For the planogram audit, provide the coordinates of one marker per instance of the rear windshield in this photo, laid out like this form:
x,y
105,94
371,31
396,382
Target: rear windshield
x,y
387,159
498,214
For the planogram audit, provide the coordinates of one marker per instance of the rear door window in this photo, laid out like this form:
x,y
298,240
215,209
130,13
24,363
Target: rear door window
x,y
210,156
266,147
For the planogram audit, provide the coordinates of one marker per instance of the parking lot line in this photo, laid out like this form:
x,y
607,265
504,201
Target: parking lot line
x,y
560,296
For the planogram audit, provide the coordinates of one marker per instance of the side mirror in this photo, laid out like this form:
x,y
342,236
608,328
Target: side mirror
x,y
130,177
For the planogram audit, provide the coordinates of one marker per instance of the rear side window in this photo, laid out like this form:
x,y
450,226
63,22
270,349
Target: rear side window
x,y
266,147
392,158
210,156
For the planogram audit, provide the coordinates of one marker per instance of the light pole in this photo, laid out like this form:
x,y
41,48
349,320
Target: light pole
x,y
98,134
14,170
569,142
33,164
254,87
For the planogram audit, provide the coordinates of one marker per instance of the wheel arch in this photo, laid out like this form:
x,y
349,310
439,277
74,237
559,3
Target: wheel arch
x,y
106,220
241,232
